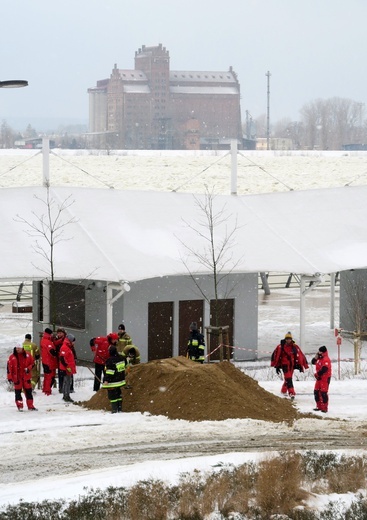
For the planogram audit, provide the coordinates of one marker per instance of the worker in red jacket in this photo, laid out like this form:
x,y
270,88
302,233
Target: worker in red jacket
x,y
323,373
287,357
49,361
67,365
20,366
100,346
58,340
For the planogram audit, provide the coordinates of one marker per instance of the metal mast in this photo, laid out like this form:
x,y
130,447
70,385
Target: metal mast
x,y
268,113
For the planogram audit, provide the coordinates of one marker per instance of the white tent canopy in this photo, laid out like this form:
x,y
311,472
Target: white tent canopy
x,y
131,236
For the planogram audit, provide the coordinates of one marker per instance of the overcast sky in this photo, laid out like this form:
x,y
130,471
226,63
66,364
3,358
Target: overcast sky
x,y
313,49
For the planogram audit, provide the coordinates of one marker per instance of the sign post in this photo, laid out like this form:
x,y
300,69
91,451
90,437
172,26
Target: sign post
x,y
338,344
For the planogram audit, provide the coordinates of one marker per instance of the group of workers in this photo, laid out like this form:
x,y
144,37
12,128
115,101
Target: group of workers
x,y
57,354
115,353
113,356
288,357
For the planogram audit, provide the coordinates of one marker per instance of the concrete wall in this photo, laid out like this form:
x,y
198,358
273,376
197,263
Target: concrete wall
x,y
95,317
132,310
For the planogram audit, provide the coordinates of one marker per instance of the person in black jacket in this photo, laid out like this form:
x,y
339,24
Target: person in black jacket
x,y
196,344
114,378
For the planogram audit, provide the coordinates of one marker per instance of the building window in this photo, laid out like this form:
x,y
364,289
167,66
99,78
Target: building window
x,y
68,308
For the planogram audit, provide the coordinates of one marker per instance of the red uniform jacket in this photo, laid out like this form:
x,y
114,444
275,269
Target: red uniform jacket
x,y
66,357
20,368
100,348
48,351
289,355
323,368
58,343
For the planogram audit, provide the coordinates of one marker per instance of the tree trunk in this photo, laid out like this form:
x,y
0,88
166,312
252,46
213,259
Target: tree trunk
x,y
357,354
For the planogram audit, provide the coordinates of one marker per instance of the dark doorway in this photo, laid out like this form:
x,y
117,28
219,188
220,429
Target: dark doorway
x,y
223,316
160,333
189,311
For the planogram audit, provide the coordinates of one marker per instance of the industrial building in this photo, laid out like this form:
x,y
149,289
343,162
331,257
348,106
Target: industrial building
x,y
153,107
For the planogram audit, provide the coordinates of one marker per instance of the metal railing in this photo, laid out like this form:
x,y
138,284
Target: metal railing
x,y
22,291
291,280
15,292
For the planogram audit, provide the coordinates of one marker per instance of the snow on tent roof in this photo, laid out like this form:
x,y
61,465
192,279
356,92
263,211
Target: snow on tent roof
x,y
139,235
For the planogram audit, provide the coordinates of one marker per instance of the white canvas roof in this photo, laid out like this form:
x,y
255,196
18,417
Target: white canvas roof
x,y
134,235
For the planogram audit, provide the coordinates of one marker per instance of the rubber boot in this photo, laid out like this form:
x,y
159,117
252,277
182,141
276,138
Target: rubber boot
x,y
30,405
119,407
114,407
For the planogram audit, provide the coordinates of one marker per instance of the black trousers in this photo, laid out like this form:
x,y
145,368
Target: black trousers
x,y
115,398
98,371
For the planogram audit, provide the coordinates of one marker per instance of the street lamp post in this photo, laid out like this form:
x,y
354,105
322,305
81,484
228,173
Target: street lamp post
x,y
13,83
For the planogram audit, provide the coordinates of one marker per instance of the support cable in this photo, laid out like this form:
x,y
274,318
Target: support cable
x,y
84,171
20,164
263,169
198,174
356,179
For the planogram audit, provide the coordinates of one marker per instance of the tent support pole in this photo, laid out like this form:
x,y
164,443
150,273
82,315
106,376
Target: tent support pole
x,y
265,283
233,166
315,280
46,161
332,301
122,287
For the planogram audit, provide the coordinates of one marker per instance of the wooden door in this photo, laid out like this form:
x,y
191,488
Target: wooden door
x,y
225,314
160,333
189,311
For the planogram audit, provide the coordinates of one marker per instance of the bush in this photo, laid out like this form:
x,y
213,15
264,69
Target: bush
x,y
273,489
149,500
316,464
278,485
349,475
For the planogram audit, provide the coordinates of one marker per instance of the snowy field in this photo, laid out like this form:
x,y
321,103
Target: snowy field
x,y
186,171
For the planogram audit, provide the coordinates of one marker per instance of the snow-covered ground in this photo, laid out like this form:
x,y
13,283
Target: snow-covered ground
x,y
62,450
186,171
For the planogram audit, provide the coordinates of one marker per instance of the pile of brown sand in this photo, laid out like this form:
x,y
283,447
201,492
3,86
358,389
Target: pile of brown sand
x,y
181,389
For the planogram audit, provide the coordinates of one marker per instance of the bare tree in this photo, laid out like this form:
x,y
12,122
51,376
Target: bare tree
x,y
354,309
215,254
49,230
330,123
6,135
261,126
